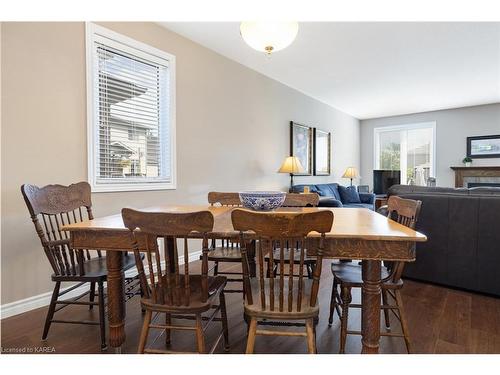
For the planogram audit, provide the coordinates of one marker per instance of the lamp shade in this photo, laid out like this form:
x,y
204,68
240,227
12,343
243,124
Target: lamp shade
x,y
291,165
350,172
269,36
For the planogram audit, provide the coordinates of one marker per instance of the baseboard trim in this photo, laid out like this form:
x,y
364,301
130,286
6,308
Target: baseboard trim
x,y
41,300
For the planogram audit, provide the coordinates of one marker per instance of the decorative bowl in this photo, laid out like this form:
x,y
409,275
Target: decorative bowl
x,y
262,200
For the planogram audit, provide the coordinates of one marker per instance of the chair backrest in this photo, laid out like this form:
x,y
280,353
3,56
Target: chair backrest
x,y
167,285
301,200
285,231
224,199
50,208
405,212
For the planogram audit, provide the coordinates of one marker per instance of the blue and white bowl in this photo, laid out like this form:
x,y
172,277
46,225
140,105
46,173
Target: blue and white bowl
x,y
262,200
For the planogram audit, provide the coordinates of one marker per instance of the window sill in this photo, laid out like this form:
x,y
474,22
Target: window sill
x,y
112,188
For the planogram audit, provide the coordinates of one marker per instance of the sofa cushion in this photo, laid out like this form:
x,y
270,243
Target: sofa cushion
x,y
349,194
328,190
329,202
323,190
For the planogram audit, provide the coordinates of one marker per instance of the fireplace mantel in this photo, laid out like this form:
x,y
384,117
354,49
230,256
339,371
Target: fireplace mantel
x,y
484,171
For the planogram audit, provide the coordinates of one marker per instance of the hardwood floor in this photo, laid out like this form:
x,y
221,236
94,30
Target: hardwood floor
x,y
441,320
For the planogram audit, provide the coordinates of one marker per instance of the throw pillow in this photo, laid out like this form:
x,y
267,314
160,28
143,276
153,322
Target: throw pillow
x,y
349,194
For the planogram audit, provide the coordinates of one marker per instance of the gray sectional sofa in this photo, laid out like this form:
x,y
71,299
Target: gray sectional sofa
x,y
463,230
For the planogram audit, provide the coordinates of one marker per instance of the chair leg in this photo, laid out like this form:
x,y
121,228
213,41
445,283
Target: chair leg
x,y
216,268
404,324
252,330
346,300
308,270
311,339
168,322
313,268
223,313
268,268
141,291
332,302
386,311
50,312
200,338
315,323
144,331
247,322
92,294
102,318
275,269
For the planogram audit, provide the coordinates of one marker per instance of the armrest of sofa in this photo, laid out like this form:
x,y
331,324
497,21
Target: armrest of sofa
x,y
329,202
368,198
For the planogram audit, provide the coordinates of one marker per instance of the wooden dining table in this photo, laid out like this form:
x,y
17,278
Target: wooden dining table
x,y
357,233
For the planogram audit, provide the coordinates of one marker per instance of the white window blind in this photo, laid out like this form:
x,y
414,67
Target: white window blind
x,y
132,122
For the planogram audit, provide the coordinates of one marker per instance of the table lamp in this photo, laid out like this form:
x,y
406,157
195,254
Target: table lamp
x,y
291,165
351,173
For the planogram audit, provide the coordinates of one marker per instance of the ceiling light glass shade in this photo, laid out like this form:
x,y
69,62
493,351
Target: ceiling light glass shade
x,y
269,36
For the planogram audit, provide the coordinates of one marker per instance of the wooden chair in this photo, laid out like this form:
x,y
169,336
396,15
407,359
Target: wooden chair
x,y
168,291
301,200
225,250
287,298
50,208
295,200
348,275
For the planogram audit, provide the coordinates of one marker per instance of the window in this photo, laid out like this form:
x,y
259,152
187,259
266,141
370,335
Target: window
x,y
133,135
407,148
131,122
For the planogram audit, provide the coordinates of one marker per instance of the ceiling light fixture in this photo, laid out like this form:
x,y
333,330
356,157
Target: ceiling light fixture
x,y
269,37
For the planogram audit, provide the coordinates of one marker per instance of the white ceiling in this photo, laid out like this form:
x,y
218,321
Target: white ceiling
x,y
373,69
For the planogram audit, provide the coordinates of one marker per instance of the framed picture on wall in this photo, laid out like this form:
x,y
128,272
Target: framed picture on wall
x,y
322,152
486,146
301,146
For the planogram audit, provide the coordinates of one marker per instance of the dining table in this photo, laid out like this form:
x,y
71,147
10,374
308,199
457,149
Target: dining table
x,y
356,233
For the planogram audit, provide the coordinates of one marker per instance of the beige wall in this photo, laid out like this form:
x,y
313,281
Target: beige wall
x,y
232,131
453,126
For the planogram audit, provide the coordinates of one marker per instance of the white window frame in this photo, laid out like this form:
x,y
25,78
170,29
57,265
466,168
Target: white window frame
x,y
420,125
94,32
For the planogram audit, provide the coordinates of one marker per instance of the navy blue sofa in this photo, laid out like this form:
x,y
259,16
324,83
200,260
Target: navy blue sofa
x,y
329,196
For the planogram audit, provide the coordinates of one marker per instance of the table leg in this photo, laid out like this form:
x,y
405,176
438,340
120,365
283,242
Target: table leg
x,y
370,312
116,298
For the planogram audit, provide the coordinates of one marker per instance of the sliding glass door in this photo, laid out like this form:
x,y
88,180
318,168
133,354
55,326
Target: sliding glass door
x,y
408,148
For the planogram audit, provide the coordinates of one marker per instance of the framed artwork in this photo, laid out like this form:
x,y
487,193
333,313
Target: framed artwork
x,y
322,152
301,146
486,146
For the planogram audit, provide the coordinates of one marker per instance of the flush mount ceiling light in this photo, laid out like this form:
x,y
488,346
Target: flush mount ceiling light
x,y
269,36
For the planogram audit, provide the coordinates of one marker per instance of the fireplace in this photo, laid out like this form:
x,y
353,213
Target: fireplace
x,y
477,176
482,184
